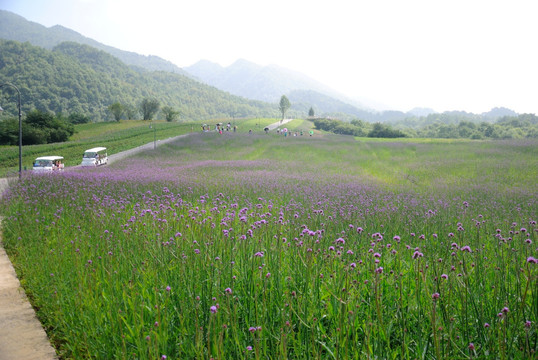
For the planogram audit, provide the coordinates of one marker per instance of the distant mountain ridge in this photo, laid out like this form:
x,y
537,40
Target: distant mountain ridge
x,y
242,78
269,83
245,78
17,28
77,78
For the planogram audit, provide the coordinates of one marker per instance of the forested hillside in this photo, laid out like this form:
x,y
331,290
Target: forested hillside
x,y
17,28
75,78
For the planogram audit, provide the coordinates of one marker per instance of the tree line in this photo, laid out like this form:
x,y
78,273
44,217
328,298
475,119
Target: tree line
x,y
358,128
506,127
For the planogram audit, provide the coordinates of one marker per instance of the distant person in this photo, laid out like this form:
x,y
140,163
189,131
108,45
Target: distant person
x,y
311,132
250,132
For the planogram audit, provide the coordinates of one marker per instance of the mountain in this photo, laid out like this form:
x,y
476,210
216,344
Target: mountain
x,y
269,83
17,28
419,111
242,78
498,112
77,78
247,79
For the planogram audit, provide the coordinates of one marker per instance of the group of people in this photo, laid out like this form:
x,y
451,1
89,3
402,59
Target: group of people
x,y
286,133
219,127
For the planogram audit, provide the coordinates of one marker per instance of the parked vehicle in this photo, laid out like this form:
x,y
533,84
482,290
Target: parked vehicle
x,y
95,157
48,163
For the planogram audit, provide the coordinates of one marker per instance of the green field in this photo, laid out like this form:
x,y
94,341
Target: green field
x,y
115,136
260,246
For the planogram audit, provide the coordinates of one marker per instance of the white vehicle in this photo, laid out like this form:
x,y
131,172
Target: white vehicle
x,y
49,163
95,157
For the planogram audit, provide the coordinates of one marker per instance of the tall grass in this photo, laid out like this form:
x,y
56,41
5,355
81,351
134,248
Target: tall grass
x,y
244,246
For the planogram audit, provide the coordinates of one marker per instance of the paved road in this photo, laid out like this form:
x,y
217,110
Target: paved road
x,y
278,124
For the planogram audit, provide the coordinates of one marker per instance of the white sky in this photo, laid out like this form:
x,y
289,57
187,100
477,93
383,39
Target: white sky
x,y
467,55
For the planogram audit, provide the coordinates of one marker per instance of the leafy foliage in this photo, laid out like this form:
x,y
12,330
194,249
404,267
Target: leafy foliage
x,y
38,128
384,131
170,114
76,118
74,78
507,127
117,110
338,127
148,108
284,105
17,28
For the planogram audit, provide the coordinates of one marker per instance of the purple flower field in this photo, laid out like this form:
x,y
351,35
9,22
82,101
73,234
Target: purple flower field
x,y
240,259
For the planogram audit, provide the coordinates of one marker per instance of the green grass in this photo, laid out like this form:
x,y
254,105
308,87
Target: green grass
x,y
114,136
323,247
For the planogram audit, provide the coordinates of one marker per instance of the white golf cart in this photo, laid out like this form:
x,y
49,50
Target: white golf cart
x,y
95,157
48,163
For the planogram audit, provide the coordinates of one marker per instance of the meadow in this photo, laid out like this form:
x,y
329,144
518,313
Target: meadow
x,y
240,246
115,136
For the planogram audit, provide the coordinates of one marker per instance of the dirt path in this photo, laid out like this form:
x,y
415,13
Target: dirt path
x,y
21,334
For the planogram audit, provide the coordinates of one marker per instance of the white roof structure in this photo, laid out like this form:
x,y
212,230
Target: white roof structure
x,y
50,158
96,149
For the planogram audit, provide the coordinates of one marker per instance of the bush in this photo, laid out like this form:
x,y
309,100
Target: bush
x,y
385,131
38,128
78,118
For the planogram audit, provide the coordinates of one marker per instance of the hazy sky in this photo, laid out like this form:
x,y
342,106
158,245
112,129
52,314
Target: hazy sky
x,y
467,55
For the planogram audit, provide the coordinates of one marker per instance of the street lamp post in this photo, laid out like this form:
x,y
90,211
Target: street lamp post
x,y
154,136
20,124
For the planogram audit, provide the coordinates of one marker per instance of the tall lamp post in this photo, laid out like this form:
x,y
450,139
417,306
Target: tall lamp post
x,y
20,124
154,136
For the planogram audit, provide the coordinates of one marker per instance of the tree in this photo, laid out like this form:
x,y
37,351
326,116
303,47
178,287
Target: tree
x,y
169,113
130,111
284,105
117,110
384,131
78,118
311,112
148,108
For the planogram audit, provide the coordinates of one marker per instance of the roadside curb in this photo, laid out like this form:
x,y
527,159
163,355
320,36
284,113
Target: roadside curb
x,y
21,335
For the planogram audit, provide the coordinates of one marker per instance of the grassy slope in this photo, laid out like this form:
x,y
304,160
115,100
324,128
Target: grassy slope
x,y
115,136
417,163
398,162
111,298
